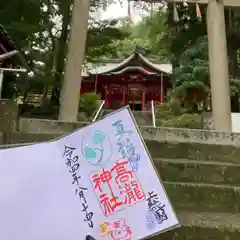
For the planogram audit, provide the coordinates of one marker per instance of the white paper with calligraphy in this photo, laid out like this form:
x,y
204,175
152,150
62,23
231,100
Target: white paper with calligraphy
x,y
120,195
36,198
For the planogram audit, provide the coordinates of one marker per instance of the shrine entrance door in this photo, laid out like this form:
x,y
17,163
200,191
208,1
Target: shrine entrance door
x,y
136,98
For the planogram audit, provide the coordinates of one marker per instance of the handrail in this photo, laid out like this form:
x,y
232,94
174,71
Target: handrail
x,y
98,111
153,114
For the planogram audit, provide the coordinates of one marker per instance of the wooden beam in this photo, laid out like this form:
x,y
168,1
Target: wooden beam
x,y
227,3
8,55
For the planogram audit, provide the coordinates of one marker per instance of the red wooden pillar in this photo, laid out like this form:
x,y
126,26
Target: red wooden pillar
x,y
162,90
106,96
143,100
123,96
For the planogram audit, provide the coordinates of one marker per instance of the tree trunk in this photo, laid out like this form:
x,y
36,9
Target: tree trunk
x,y
70,92
172,31
60,54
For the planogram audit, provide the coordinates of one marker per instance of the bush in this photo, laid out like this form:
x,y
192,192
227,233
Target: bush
x,y
89,103
191,121
172,114
169,109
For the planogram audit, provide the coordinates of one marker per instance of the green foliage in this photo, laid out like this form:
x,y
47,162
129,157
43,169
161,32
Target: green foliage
x,y
21,24
150,33
100,39
42,35
191,121
192,71
235,86
169,109
89,103
184,33
172,114
154,29
189,48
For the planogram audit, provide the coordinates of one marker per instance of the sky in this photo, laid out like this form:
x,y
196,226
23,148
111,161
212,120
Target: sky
x,y
118,11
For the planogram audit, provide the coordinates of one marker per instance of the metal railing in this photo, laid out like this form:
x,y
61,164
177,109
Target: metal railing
x,y
153,114
98,111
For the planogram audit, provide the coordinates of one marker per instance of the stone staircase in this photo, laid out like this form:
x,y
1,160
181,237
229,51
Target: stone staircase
x,y
199,169
203,184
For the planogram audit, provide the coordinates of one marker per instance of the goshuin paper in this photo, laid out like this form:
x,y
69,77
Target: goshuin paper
x,y
97,181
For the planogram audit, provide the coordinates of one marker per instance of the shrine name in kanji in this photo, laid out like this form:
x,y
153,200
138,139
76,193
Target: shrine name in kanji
x,y
116,188
72,163
125,145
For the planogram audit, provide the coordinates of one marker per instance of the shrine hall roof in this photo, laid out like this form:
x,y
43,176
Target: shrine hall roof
x,y
4,37
118,67
7,45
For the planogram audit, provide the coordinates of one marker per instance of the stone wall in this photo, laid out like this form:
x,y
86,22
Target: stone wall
x,y
32,125
207,121
8,118
1,138
48,127
199,169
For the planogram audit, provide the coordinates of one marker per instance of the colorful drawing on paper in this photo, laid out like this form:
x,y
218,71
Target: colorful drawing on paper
x,y
125,145
73,165
116,188
96,148
156,211
118,230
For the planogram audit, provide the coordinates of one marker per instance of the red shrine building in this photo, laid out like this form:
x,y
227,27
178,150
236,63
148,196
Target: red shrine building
x,y
134,81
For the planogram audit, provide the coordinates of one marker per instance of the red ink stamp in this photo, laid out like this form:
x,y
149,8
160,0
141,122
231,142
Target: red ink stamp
x,y
116,188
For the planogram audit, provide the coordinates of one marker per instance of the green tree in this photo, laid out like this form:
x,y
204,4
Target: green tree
x,y
184,33
22,25
100,39
189,50
42,35
89,103
191,76
150,33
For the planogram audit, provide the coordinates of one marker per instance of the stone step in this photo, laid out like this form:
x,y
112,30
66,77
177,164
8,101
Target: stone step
x,y
194,151
202,197
209,226
184,170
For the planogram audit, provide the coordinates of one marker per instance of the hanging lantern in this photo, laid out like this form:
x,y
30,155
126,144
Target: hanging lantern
x,y
175,13
198,12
